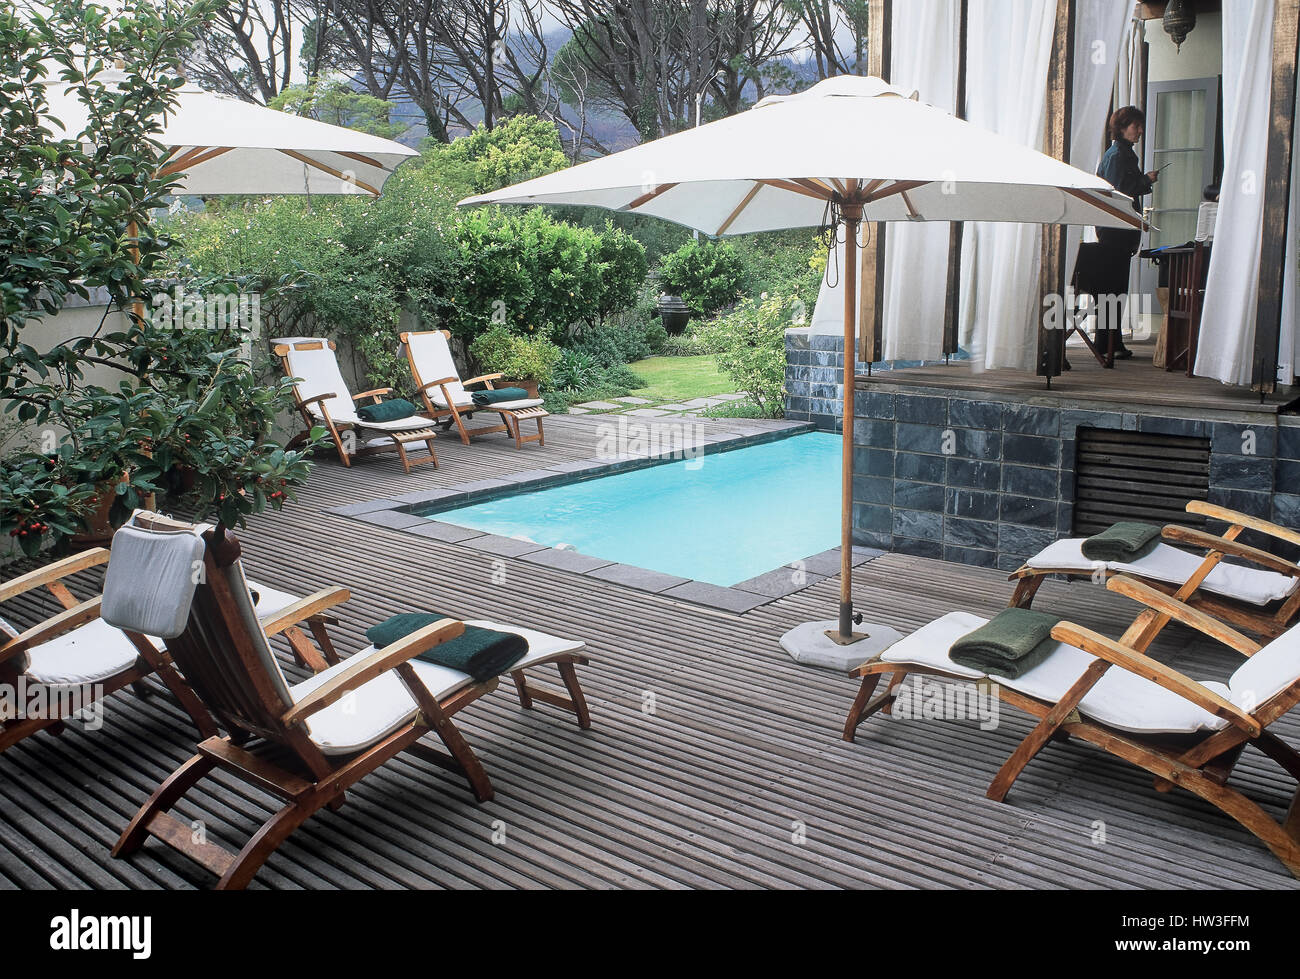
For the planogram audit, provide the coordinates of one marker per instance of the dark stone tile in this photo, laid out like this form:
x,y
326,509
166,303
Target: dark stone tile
x,y
1031,450
919,524
482,485
779,582
874,434
1009,562
539,477
642,579
826,341
919,548
873,404
1018,542
975,414
1031,481
825,375
439,496
367,506
715,596
1031,420
873,462
1286,509
970,555
1288,475
921,410
922,468
861,555
971,533
1069,453
549,557
1034,513
873,518
972,504
873,539
920,438
1073,419
1229,438
918,496
437,530
1243,501
974,474
1160,425
873,489
1288,440
970,443
504,546
395,519
1242,472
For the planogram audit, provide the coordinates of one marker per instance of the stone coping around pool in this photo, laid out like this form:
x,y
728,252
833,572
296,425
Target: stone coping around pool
x,y
410,513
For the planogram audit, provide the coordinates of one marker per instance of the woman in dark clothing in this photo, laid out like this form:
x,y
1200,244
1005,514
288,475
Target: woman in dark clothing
x,y
1121,168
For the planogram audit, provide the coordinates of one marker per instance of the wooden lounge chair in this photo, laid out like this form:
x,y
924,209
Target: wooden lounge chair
x,y
1111,694
305,743
1263,599
322,398
446,399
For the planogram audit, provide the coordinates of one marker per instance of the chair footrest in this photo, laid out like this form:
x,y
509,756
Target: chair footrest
x,y
535,412
416,435
180,837
259,771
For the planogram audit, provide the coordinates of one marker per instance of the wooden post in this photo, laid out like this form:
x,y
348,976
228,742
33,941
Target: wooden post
x,y
956,234
852,214
1277,197
1060,84
872,265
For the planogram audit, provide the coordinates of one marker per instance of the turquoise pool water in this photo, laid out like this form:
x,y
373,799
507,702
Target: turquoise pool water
x,y
723,518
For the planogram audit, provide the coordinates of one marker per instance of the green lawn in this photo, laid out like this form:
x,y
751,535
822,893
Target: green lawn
x,y
672,380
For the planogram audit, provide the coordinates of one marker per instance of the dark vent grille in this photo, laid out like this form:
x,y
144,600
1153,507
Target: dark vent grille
x,y
1137,476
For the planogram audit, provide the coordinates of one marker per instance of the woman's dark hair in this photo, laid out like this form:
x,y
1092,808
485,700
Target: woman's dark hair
x,y
1121,119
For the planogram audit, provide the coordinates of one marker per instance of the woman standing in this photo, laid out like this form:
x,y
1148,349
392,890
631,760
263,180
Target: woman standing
x,y
1121,168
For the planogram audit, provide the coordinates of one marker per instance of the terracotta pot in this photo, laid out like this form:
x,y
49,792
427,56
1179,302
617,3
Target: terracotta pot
x,y
529,386
99,524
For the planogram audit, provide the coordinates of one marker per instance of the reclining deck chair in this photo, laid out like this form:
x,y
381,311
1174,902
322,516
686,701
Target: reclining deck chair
x,y
322,398
1112,695
306,743
1264,599
445,396
72,658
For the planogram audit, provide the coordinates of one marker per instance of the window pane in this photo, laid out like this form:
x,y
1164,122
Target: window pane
x,y
1176,228
1180,119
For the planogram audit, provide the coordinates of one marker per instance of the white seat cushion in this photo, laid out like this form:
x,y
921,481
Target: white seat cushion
x,y
397,424
383,705
468,403
90,653
1268,672
1119,699
1173,566
268,601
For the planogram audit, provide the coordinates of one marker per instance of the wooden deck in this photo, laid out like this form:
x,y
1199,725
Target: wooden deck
x,y
1131,383
710,749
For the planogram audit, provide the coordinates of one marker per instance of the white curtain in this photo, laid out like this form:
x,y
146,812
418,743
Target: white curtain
x,y
1287,367
1010,44
1232,288
924,58
1103,40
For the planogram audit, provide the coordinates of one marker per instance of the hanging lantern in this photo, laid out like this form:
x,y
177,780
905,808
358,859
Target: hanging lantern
x,y
1179,19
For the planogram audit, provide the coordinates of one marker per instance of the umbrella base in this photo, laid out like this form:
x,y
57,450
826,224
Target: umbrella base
x,y
818,644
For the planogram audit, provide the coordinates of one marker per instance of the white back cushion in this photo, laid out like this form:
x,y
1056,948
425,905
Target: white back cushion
x,y
319,370
150,580
431,355
1268,672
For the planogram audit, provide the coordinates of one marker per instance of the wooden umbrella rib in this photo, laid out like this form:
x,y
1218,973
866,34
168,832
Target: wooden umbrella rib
x,y
744,203
1132,219
794,188
907,201
900,187
647,197
367,160
330,170
192,157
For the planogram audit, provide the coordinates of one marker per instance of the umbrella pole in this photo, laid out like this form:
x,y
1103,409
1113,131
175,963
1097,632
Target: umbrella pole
x,y
852,214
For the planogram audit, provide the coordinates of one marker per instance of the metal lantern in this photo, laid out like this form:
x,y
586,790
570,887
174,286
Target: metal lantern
x,y
1179,19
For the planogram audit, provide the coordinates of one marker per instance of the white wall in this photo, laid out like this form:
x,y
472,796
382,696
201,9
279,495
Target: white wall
x,y
1201,55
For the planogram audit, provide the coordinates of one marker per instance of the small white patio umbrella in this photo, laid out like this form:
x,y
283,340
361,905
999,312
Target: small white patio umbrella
x,y
223,146
849,149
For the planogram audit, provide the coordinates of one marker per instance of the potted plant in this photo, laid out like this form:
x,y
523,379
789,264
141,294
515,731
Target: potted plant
x,y
526,362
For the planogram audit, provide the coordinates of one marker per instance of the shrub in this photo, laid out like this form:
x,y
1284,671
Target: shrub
x,y
751,349
519,149
575,371
614,345
707,275
517,358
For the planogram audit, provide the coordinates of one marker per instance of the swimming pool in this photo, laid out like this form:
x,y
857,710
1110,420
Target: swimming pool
x,y
723,518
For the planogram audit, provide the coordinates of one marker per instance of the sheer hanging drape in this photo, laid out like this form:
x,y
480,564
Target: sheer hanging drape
x,y
1232,288
1009,51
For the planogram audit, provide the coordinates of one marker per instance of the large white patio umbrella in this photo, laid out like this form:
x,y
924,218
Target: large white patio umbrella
x,y
848,150
220,145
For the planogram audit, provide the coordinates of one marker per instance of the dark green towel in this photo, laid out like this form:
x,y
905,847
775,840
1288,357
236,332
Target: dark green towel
x,y
1127,540
1011,644
387,411
482,653
499,395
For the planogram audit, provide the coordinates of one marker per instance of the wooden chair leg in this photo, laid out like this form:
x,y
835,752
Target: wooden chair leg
x,y
895,681
1026,589
323,640
475,774
541,436
303,651
859,704
521,687
401,453
460,427
570,676
163,798
265,841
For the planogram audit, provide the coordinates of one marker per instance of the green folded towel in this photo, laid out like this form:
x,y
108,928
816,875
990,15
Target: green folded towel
x,y
499,395
1127,540
1011,644
482,653
387,411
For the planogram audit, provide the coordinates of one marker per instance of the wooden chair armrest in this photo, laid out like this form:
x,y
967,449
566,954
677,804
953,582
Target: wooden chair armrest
x,y
1144,666
363,669
1184,613
321,398
53,572
482,379
372,394
304,609
1223,514
439,383
53,627
1211,542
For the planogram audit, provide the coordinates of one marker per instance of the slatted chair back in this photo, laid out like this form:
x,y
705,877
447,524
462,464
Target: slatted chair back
x,y
316,364
429,354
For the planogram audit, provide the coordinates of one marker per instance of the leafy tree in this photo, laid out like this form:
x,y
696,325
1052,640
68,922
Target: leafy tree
x,y
340,105
708,275
519,149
